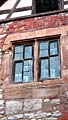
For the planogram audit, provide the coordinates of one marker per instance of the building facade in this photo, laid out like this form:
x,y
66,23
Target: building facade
x,y
34,60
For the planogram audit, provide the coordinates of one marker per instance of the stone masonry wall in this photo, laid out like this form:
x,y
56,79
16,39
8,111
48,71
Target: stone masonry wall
x,y
2,103
46,100
49,104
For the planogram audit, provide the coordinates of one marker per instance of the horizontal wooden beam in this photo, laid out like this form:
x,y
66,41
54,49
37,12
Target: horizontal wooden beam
x,y
4,11
16,10
34,15
65,2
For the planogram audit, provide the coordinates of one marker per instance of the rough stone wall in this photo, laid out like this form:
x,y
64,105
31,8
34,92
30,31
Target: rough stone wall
x,y
46,100
2,103
49,104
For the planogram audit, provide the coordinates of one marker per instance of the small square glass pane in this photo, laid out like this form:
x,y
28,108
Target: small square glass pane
x,y
43,49
28,65
43,45
18,68
19,49
27,76
44,69
53,48
18,72
30,76
18,56
28,52
54,67
18,77
43,53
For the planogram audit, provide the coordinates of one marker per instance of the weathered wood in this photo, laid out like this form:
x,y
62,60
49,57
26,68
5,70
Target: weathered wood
x,y
16,10
12,10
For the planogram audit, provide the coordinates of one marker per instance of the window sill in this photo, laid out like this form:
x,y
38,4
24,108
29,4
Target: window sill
x,y
37,84
48,79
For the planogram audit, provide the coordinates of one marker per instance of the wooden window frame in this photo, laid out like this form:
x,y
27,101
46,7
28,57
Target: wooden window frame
x,y
35,58
48,57
22,61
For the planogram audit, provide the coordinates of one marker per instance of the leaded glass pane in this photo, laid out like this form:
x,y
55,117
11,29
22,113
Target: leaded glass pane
x,y
43,49
19,56
54,67
44,45
19,49
27,76
53,48
18,52
28,52
18,72
27,72
18,77
28,65
44,68
43,53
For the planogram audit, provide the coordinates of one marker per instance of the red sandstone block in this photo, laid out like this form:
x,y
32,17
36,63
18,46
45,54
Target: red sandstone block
x,y
64,116
66,19
63,119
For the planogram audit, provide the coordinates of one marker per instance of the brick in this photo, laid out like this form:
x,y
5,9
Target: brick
x,y
60,107
57,114
0,50
38,115
42,115
1,102
47,107
2,112
55,101
51,118
0,61
66,93
3,35
18,116
47,93
28,115
1,96
46,100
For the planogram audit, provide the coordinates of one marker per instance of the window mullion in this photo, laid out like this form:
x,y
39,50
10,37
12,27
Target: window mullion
x,y
49,58
23,62
36,61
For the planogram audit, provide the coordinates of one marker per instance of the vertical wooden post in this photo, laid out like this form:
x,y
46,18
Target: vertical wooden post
x,y
36,61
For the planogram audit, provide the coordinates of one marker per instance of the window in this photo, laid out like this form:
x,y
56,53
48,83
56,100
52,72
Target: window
x,y
49,61
39,60
23,63
47,5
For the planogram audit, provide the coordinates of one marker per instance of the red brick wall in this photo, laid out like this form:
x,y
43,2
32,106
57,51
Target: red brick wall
x,y
52,95
32,24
